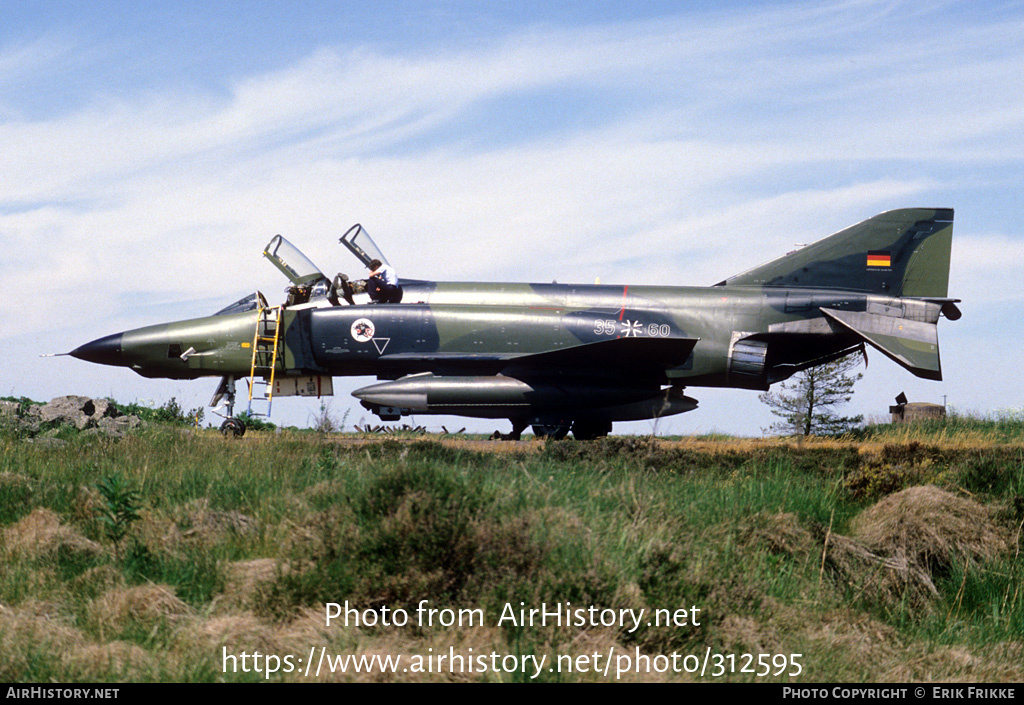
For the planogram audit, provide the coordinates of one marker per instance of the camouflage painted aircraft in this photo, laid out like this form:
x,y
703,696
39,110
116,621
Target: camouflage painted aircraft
x,y
561,357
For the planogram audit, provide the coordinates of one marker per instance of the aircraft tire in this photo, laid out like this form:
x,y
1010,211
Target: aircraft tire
x,y
232,428
553,431
589,430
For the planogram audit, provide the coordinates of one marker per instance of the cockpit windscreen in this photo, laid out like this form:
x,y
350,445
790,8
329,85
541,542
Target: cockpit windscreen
x,y
248,303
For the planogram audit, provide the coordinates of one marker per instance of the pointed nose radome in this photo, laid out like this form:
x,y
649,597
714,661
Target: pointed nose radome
x,y
104,351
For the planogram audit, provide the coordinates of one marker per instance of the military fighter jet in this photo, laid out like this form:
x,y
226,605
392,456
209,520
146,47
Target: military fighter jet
x,y
564,357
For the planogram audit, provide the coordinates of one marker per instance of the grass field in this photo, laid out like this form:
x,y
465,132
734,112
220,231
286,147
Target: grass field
x,y
890,556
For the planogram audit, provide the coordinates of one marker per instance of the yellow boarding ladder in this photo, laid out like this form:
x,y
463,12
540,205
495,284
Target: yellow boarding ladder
x,y
264,356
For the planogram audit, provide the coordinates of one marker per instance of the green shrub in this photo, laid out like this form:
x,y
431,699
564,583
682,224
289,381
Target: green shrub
x,y
255,423
171,412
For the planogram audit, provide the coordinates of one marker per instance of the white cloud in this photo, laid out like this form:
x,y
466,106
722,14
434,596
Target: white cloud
x,y
986,269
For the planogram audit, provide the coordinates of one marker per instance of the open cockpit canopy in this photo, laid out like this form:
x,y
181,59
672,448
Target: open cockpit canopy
x,y
309,286
292,263
359,243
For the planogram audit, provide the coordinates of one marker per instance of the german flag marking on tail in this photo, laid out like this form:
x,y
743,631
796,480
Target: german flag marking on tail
x,y
879,258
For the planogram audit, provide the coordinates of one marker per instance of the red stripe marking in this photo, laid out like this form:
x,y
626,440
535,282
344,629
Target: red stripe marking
x,y
622,311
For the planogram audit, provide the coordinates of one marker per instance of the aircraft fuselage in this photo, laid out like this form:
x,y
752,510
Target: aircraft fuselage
x,y
460,328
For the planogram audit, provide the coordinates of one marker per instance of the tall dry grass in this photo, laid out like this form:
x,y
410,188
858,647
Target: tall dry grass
x,y
819,547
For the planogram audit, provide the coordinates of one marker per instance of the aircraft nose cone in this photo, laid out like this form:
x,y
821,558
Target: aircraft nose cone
x,y
104,351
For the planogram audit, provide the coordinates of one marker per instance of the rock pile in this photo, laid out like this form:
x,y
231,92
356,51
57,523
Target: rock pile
x,y
85,414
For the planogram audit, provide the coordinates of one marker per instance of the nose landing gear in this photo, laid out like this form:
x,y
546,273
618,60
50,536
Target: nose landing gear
x,y
232,427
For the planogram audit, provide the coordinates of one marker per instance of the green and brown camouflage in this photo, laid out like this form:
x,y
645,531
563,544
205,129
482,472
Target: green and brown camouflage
x,y
561,356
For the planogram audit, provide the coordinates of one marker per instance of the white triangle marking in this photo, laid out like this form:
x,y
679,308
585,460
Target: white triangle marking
x,y
380,344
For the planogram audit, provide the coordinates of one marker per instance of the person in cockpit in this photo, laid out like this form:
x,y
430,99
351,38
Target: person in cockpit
x,y
382,283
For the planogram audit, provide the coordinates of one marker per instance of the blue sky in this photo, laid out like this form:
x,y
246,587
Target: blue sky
x,y
150,150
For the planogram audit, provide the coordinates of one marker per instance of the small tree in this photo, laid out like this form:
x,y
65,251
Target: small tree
x,y
808,402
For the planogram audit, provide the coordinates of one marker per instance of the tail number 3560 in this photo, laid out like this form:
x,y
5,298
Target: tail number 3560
x,y
631,328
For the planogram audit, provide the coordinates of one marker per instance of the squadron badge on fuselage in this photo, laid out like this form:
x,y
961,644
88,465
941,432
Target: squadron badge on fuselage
x,y
362,330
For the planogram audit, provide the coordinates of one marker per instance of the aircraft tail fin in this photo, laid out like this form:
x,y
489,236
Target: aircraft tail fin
x,y
902,252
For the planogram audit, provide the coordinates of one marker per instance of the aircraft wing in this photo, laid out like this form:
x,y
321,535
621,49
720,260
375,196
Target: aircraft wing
x,y
638,352
635,354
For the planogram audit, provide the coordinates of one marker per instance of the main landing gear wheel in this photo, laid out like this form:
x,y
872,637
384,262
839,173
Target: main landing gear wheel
x,y
233,428
517,432
555,432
